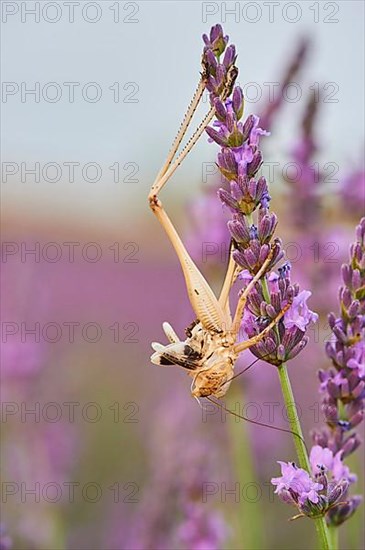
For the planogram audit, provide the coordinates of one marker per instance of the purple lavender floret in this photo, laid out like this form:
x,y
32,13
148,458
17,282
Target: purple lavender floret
x,y
295,485
219,77
216,42
287,339
252,244
316,493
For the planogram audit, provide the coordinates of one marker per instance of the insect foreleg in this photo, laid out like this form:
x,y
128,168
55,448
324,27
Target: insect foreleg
x,y
243,298
238,348
228,282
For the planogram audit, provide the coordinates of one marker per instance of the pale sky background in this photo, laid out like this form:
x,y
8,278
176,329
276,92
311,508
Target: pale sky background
x,y
160,55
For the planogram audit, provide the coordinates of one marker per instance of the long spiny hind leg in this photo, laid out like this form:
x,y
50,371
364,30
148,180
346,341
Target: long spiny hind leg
x,y
156,187
203,301
172,166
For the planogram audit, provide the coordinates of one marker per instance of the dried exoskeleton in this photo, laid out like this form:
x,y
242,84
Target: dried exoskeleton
x,y
211,347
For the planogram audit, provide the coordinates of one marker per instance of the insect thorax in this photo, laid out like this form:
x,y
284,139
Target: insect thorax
x,y
213,375
206,356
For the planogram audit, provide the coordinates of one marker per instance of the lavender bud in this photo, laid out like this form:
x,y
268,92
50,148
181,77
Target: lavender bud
x,y
280,353
229,56
356,279
220,109
247,127
211,61
346,273
264,252
216,136
358,391
237,102
350,445
298,348
357,418
239,231
342,512
254,166
354,309
228,200
331,321
337,492
346,297
251,259
236,191
240,259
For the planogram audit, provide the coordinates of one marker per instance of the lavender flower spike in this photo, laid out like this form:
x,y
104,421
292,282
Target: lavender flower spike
x,y
343,389
343,386
246,195
273,299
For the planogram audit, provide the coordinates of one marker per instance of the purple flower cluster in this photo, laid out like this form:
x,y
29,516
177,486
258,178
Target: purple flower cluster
x,y
219,77
316,493
343,389
239,161
343,386
288,338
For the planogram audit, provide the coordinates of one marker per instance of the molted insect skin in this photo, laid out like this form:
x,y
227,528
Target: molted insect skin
x,y
214,377
203,355
202,299
188,354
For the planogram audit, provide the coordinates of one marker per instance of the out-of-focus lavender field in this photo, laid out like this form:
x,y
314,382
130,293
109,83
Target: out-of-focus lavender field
x,y
101,449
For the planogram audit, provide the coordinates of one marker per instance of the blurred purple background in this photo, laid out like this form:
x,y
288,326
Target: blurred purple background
x,y
116,454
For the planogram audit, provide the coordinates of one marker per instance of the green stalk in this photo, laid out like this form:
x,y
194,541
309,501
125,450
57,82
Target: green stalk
x,y
265,290
320,523
250,526
333,531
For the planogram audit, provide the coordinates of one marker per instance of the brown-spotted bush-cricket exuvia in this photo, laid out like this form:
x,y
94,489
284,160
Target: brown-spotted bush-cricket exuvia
x,y
212,346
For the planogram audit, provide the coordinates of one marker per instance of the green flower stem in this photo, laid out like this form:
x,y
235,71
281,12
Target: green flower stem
x,y
320,523
333,531
265,290
250,525
293,417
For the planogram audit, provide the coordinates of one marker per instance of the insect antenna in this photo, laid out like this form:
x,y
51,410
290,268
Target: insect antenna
x,y
242,372
245,369
219,404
